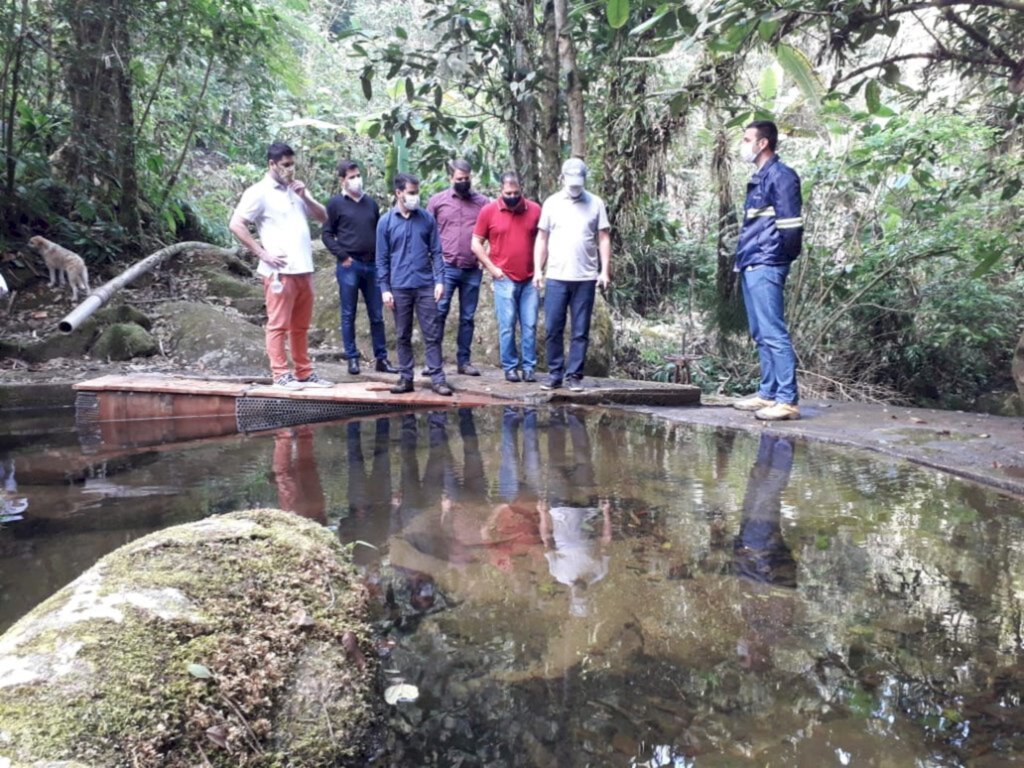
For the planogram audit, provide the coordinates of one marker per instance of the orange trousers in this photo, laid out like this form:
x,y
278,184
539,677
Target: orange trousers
x,y
298,481
289,314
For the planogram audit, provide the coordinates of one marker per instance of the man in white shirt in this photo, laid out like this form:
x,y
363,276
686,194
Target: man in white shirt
x,y
574,243
279,206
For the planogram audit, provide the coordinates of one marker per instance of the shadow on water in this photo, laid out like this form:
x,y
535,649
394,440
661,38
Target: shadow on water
x,y
582,588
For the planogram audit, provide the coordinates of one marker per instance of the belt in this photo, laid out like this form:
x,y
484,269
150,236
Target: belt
x,y
365,258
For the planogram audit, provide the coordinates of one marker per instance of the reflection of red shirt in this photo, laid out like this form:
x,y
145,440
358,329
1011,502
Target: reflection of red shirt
x,y
510,233
516,531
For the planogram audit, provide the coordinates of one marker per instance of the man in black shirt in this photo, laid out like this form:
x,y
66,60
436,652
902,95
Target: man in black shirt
x,y
351,235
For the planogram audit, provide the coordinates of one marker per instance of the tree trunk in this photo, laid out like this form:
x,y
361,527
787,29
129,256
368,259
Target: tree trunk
x,y
523,127
726,227
573,86
99,154
548,87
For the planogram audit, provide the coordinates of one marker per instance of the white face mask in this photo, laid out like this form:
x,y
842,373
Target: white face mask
x,y
748,152
574,190
411,202
355,185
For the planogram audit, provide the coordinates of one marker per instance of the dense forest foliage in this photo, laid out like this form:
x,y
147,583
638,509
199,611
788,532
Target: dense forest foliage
x,y
125,124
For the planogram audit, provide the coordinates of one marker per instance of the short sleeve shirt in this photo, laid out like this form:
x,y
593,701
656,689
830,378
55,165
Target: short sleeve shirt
x,y
281,221
572,227
510,233
456,216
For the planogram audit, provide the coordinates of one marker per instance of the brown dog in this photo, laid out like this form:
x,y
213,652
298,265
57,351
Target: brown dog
x,y
62,264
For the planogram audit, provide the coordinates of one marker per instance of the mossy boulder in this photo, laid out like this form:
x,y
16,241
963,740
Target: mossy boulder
x,y
205,337
123,313
239,640
123,341
56,345
220,283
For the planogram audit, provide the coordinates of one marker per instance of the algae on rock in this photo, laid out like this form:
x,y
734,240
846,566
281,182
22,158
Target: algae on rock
x,y
193,646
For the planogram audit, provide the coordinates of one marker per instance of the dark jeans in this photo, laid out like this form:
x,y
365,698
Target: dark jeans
x,y
360,276
421,301
575,297
467,282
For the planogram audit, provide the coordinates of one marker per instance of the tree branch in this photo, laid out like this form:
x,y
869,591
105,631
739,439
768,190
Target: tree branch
x,y
951,16
941,56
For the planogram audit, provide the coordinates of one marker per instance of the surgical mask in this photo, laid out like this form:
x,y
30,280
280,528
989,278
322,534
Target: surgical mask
x,y
511,201
748,153
462,187
574,190
411,202
355,185
285,174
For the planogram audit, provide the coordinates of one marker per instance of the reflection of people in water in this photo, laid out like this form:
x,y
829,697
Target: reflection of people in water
x,y
463,495
13,506
761,555
296,475
369,494
576,531
513,528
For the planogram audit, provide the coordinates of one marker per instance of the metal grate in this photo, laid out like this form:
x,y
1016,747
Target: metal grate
x,y
87,416
258,413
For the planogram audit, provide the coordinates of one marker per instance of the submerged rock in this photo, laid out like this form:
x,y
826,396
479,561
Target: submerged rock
x,y
221,642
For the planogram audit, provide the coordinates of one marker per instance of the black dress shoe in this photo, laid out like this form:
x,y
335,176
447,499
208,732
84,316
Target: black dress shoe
x,y
529,377
404,385
468,370
442,389
384,366
353,366
512,376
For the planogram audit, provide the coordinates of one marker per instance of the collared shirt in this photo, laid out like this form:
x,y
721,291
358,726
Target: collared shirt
x,y
572,226
510,232
351,228
456,217
281,222
773,227
408,251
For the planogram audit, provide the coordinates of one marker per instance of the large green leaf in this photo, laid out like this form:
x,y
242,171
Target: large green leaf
x,y
659,14
769,87
795,63
873,96
618,13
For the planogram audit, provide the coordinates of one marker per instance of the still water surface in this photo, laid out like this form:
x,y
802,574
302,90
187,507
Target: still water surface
x,y
583,588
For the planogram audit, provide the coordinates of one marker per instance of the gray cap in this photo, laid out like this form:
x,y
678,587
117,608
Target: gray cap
x,y
574,171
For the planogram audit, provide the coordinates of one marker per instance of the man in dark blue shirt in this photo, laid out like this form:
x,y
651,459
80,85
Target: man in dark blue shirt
x,y
770,239
410,273
350,234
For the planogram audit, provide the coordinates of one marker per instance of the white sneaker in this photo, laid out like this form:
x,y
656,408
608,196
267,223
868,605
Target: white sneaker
x,y
753,403
287,381
313,381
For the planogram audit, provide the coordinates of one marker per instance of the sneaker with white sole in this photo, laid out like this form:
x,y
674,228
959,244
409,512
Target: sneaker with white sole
x,y
753,403
313,380
779,412
287,381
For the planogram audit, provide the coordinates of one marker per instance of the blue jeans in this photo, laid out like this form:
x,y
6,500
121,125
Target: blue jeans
x,y
360,276
763,299
516,300
467,282
575,297
421,302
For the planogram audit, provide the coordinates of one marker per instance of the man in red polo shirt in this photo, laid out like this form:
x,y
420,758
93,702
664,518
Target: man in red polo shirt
x,y
509,227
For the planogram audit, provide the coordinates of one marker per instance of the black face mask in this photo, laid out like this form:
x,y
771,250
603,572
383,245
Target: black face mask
x,y
511,201
462,187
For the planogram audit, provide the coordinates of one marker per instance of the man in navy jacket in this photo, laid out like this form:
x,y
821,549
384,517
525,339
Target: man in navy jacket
x,y
770,239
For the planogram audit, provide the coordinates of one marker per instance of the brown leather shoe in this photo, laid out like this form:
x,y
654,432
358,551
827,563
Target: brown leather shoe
x,y
404,385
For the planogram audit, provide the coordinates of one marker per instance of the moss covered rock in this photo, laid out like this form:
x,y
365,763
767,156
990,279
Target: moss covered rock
x,y
56,345
236,641
1018,367
123,313
123,341
207,338
222,284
